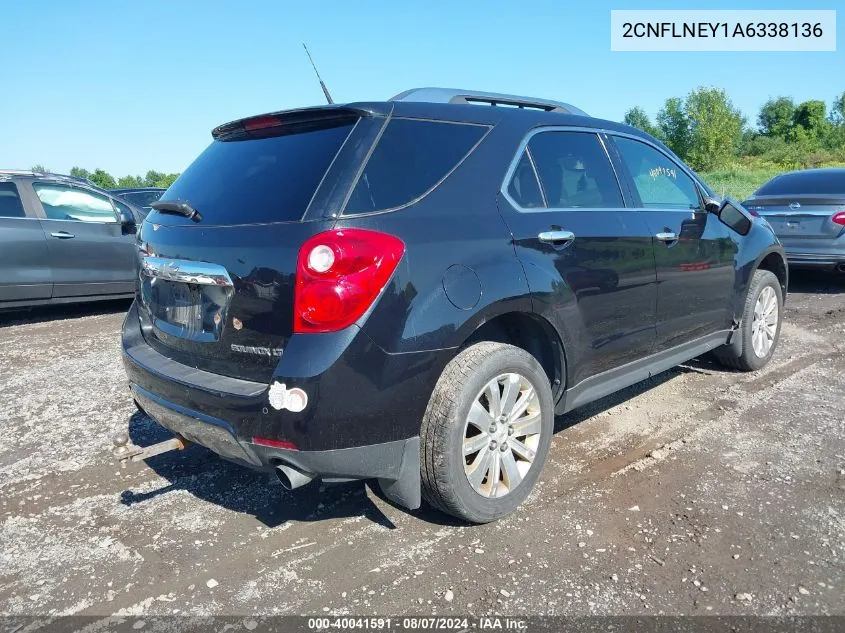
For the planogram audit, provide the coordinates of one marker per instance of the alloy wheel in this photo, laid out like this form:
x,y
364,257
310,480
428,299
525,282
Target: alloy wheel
x,y
765,322
501,435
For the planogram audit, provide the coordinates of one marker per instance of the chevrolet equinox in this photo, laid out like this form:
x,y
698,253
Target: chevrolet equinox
x,y
410,290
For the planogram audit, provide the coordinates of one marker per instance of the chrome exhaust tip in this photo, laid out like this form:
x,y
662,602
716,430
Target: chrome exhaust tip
x,y
291,478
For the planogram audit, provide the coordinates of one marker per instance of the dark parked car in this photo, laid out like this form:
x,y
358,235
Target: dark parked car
x,y
807,212
410,290
142,197
63,241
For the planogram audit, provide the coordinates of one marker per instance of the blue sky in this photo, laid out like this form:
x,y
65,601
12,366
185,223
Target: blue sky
x,y
134,85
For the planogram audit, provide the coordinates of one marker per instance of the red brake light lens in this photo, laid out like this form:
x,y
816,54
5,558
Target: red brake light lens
x,y
338,276
839,218
261,122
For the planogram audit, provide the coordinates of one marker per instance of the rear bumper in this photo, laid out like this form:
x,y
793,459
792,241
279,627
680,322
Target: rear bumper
x,y
362,419
394,464
815,260
817,253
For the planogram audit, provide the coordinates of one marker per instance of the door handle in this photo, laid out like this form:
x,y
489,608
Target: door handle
x,y
62,235
556,237
667,237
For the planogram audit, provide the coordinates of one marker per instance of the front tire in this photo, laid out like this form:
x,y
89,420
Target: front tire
x,y
486,432
760,329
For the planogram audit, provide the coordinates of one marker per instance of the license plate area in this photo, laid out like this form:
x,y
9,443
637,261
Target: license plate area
x,y
186,310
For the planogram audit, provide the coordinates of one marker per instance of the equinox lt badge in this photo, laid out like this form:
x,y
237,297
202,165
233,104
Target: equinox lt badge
x,y
259,351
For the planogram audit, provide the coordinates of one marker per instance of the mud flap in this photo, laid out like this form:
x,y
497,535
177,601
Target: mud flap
x,y
735,341
405,490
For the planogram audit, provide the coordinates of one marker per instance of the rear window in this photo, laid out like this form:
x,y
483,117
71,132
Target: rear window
x,y
141,198
807,182
411,158
10,202
247,180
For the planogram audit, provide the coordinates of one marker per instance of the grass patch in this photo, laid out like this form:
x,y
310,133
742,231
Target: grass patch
x,y
740,181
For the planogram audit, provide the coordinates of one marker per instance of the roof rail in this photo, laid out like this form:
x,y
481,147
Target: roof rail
x,y
45,174
452,95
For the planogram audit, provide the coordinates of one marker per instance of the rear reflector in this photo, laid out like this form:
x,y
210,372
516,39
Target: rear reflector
x,y
839,218
266,441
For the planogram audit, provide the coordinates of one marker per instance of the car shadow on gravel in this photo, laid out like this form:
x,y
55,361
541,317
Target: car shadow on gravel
x,y
207,477
40,314
210,478
803,280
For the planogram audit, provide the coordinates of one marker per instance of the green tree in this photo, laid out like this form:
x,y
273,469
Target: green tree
x,y
811,116
776,117
636,117
78,172
38,167
673,126
715,128
152,178
102,179
166,180
837,110
130,181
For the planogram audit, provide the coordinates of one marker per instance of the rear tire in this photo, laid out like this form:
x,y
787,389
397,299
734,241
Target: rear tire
x,y
486,432
760,329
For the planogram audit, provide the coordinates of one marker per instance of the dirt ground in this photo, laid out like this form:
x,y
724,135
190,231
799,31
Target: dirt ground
x,y
701,491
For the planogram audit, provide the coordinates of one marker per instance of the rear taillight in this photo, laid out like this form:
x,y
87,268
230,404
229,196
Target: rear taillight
x,y
338,276
839,218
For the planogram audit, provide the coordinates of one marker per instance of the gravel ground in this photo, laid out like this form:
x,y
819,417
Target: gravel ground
x,y
700,491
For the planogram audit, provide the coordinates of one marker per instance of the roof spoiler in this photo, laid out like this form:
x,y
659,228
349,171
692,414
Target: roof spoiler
x,y
289,117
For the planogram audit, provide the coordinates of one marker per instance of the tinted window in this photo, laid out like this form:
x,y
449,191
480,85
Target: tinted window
x,y
574,171
524,188
142,198
127,210
822,182
410,159
64,202
249,180
659,182
10,202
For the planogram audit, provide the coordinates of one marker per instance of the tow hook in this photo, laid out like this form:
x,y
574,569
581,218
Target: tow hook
x,y
126,452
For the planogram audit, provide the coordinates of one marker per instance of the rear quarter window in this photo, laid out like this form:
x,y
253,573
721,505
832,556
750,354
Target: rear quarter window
x,y
411,158
808,182
10,202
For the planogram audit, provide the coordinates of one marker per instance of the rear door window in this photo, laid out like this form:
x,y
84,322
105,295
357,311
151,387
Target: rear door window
x,y
575,171
411,158
65,202
659,182
249,180
10,201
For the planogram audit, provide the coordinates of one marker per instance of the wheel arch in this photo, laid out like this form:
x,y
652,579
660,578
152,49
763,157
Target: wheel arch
x,y
774,261
529,332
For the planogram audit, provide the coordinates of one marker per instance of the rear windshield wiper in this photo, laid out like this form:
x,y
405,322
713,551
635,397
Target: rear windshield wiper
x,y
176,206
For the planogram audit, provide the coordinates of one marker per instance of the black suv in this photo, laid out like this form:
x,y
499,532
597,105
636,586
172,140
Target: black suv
x,y
410,290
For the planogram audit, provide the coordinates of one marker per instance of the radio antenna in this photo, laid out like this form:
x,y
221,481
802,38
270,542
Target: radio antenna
x,y
316,72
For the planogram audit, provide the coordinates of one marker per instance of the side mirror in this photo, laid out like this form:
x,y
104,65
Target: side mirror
x,y
712,205
735,216
127,221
